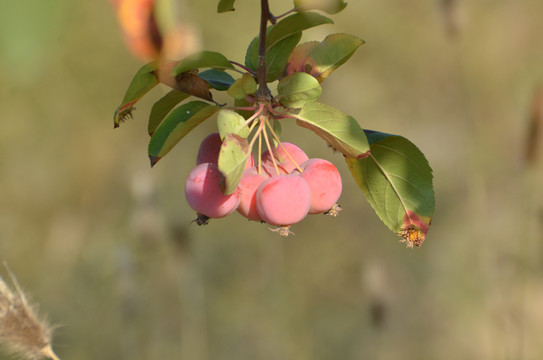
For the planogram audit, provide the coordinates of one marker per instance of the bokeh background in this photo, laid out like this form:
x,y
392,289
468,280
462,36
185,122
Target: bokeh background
x,y
106,245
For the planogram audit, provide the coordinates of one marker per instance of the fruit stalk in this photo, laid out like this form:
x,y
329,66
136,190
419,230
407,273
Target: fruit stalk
x,y
263,92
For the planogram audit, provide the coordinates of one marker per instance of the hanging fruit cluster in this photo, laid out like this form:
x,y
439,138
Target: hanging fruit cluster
x,y
280,188
245,166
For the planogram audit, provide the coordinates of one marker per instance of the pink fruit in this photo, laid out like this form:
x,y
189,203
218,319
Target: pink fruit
x,y
210,149
269,170
283,200
283,160
324,181
204,194
248,185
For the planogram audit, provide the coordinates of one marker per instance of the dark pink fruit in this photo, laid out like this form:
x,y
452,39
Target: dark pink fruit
x,y
283,161
248,185
283,200
324,182
210,149
204,194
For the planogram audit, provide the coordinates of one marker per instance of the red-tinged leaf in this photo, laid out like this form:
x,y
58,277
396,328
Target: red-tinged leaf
x,y
322,59
162,107
144,80
298,57
176,125
397,181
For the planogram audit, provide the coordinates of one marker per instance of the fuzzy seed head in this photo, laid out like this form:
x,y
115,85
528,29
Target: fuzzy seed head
x,y
22,332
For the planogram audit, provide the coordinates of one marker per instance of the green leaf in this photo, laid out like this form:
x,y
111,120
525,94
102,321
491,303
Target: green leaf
x,y
329,6
202,59
297,89
246,85
230,122
293,24
339,130
219,80
225,6
284,29
323,58
162,107
232,159
176,125
397,181
277,56
144,80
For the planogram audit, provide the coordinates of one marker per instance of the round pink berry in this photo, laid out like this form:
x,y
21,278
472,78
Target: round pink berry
x,y
204,194
249,183
284,162
324,181
283,200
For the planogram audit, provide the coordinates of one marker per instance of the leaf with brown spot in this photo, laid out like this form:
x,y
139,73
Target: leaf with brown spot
x,y
397,181
320,60
144,80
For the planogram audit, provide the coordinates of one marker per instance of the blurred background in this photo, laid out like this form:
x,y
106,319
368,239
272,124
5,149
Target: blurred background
x,y
106,245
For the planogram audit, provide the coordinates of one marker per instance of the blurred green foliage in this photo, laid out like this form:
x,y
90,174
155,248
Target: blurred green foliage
x,y
106,246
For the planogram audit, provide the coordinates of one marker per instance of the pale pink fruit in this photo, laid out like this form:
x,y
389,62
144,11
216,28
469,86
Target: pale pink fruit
x,y
324,182
204,194
283,160
210,148
248,185
283,200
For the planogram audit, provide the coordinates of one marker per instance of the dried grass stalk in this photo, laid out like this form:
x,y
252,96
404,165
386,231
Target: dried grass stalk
x,y
22,332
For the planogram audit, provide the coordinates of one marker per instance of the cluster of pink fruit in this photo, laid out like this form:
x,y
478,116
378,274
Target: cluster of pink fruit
x,y
279,191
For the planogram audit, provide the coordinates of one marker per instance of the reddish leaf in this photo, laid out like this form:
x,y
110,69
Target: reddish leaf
x,y
188,82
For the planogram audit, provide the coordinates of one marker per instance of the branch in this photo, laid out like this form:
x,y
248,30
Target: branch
x,y
263,92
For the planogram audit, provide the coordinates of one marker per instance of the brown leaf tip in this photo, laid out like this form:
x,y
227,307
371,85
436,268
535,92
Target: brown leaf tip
x,y
412,236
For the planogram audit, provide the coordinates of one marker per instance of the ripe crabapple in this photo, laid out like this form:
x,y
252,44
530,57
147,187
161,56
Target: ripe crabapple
x,y
248,185
324,182
283,200
204,194
210,148
283,160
